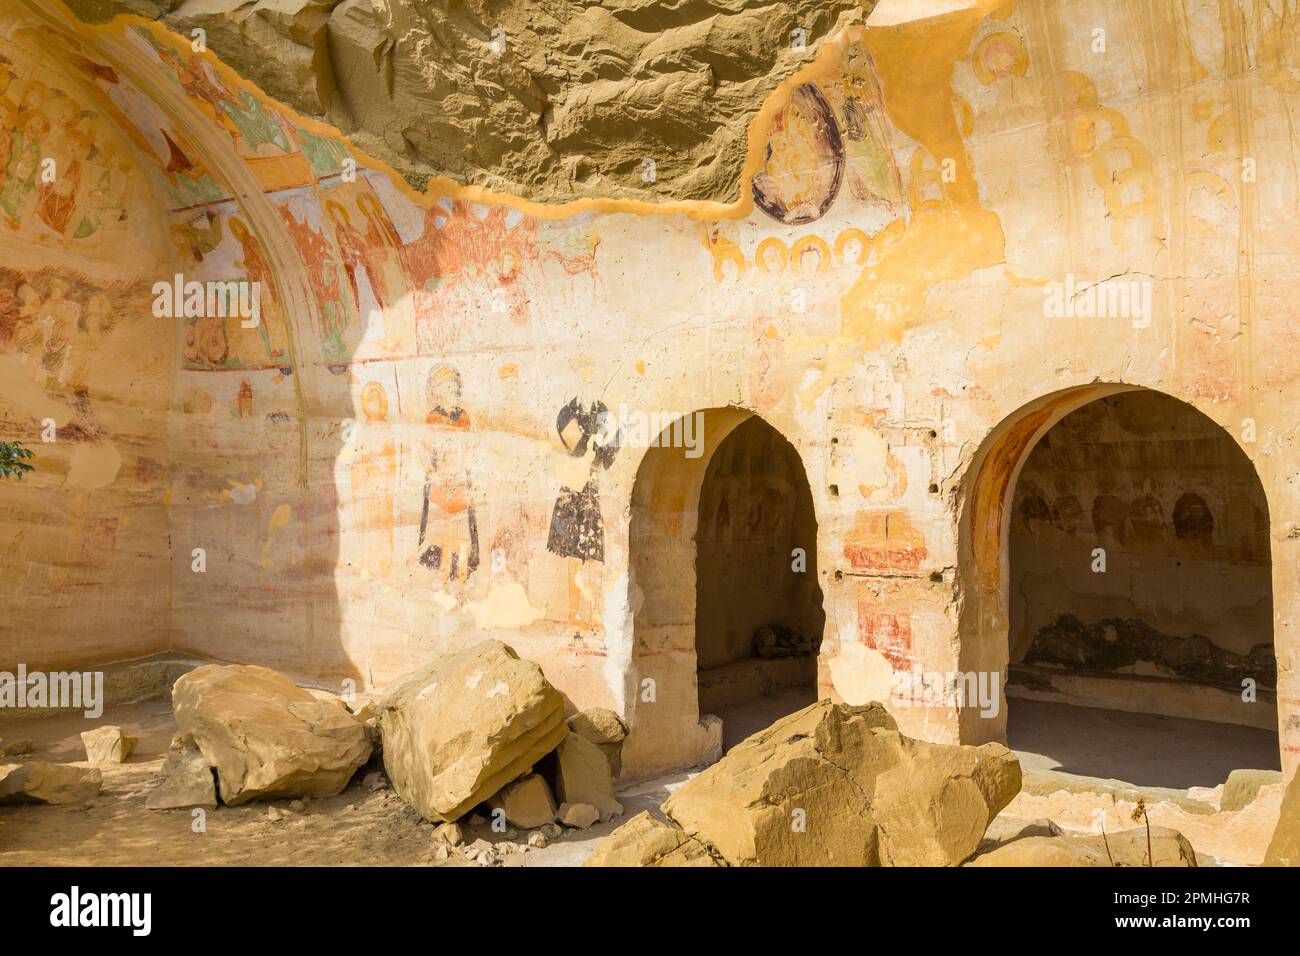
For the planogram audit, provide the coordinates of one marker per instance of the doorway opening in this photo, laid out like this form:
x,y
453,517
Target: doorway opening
x,y
1129,575
758,608
722,562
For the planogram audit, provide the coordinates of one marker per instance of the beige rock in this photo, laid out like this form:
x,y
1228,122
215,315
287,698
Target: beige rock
x,y
15,748
1125,848
327,697
108,745
580,816
647,841
449,833
527,802
1242,786
460,729
537,840
1004,830
54,783
606,730
838,785
481,852
265,736
187,781
583,775
1284,848
599,725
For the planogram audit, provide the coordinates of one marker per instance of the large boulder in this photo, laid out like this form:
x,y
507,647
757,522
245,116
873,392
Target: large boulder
x,y
55,783
834,785
1124,848
464,726
1284,848
265,736
583,775
647,841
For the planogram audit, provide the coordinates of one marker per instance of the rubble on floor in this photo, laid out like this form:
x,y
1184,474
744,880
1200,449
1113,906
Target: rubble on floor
x,y
830,785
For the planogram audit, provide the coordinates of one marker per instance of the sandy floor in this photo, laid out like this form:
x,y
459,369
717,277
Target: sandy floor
x,y
745,720
1145,750
360,827
357,827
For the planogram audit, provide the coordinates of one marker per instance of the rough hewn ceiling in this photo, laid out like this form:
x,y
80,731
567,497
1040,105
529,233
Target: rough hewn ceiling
x,y
548,99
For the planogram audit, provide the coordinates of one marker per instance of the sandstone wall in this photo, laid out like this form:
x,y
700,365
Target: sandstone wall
x,y
375,473
86,370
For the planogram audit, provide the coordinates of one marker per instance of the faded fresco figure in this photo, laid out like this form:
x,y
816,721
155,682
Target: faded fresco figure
x,y
373,469
448,541
577,531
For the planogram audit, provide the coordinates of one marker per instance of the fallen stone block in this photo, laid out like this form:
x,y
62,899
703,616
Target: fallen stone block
x,y
526,803
458,730
265,736
606,730
583,775
1124,848
579,816
834,785
53,783
186,781
108,745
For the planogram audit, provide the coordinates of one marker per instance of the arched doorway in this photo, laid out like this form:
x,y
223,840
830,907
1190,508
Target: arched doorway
x,y
758,610
713,535
1118,573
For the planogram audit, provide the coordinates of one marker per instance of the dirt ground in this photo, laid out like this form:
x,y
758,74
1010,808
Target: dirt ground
x,y
361,827
355,828
1146,750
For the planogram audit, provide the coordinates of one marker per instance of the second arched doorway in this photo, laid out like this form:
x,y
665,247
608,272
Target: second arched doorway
x,y
1118,577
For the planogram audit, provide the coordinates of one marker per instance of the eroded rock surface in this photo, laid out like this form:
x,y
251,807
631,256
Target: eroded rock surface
x,y
550,99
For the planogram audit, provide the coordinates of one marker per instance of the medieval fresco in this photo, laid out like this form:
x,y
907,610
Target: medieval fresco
x,y
405,450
